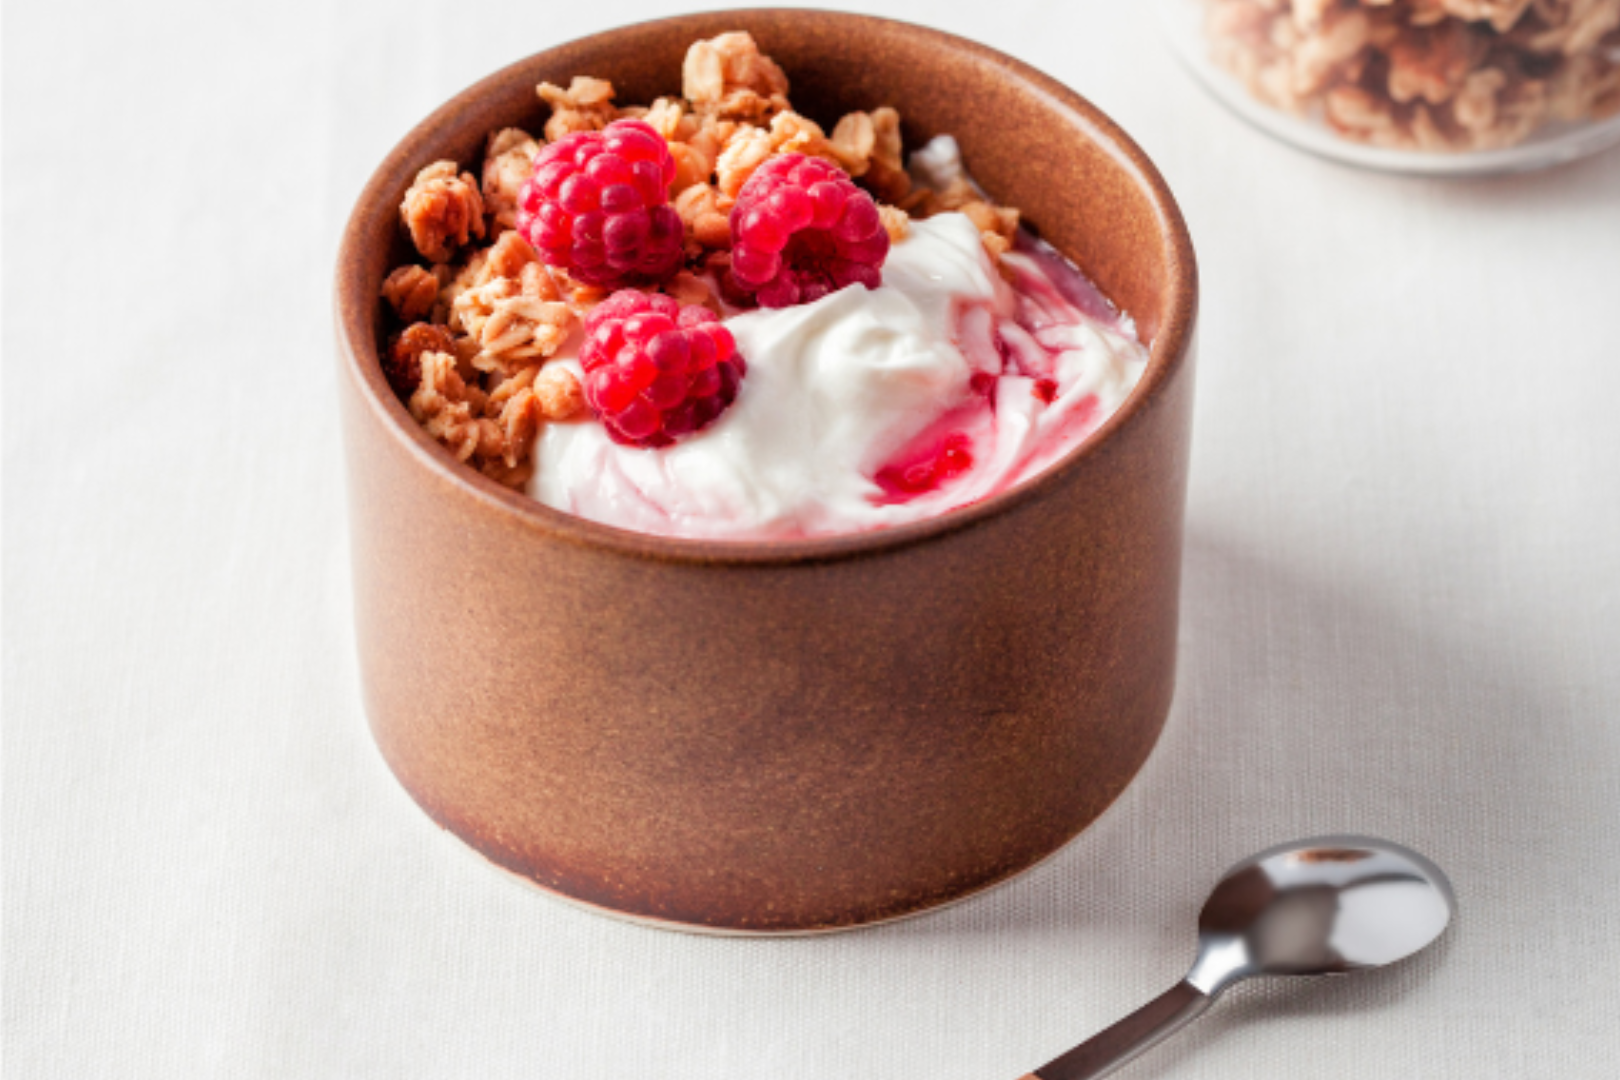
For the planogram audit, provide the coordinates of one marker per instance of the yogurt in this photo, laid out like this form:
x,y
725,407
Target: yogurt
x,y
872,408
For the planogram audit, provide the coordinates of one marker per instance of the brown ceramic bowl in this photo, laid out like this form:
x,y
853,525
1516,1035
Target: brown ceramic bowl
x,y
786,735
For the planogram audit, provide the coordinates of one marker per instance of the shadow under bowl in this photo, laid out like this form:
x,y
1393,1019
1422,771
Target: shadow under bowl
x,y
783,736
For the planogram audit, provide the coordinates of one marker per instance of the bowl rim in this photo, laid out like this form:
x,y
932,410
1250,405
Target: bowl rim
x,y
354,314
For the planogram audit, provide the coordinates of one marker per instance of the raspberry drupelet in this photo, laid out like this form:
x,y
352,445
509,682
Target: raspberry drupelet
x,y
597,205
801,229
656,371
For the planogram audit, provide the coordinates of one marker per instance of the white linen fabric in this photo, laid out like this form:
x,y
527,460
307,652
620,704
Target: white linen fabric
x,y
1402,604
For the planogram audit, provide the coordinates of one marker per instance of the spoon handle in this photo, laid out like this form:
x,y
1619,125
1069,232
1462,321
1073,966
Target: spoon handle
x,y
1114,1046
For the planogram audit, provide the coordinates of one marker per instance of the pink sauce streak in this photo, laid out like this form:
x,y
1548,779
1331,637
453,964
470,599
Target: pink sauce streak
x,y
943,454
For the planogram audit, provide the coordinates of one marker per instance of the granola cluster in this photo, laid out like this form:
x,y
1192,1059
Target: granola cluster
x,y
1445,75
481,318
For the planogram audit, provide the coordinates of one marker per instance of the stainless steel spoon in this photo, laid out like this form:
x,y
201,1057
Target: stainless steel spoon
x,y
1314,907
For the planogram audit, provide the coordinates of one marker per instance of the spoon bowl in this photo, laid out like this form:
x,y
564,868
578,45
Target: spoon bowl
x,y
1326,906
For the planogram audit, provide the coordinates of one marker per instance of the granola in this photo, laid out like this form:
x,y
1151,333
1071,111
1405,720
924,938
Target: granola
x,y
442,210
411,291
587,105
1442,75
452,411
481,325
507,161
729,78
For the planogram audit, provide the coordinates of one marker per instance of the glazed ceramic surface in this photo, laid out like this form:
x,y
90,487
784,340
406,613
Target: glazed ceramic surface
x,y
795,735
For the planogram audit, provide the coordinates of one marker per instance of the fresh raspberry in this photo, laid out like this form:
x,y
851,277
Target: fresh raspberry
x,y
655,370
801,229
597,205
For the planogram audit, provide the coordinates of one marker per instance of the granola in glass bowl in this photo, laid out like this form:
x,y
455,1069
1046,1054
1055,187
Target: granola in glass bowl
x,y
1434,86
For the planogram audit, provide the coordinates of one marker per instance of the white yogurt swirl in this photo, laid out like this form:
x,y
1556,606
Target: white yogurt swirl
x,y
840,388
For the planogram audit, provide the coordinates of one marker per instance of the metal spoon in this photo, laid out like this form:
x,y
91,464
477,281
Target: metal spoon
x,y
1314,907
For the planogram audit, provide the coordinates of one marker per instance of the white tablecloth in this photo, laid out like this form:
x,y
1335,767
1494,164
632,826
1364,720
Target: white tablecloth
x,y
1402,608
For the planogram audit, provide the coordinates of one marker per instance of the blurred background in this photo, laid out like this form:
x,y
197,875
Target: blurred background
x,y
1401,607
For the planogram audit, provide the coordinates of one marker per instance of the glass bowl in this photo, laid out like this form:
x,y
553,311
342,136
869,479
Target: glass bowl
x,y
1553,142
